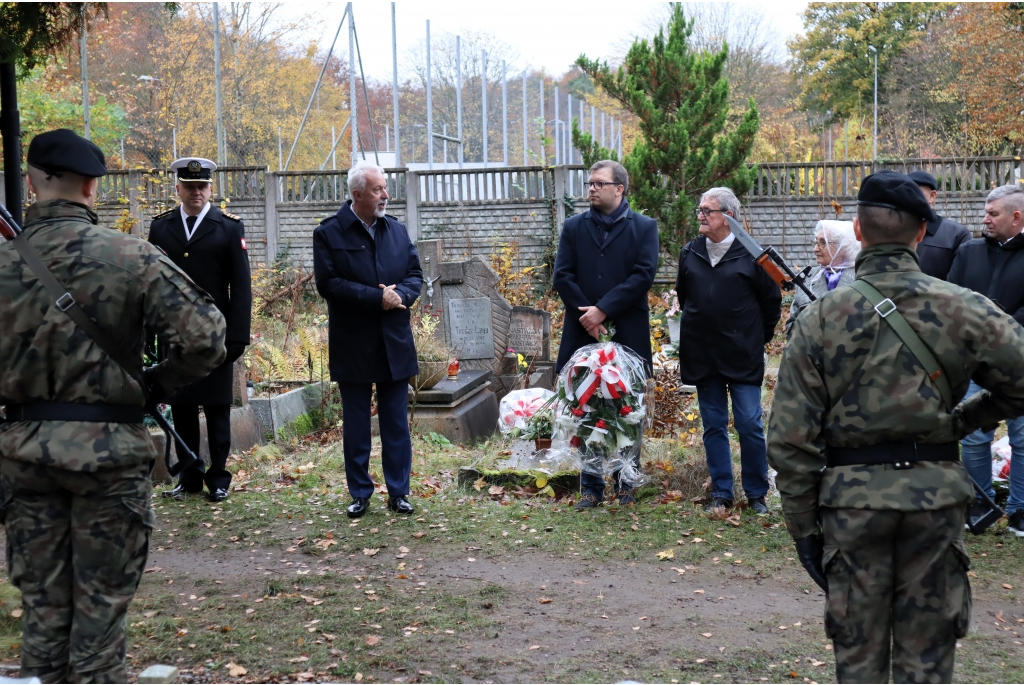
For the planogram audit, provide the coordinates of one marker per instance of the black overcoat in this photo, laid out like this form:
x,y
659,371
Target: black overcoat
x,y
729,314
612,271
217,261
993,270
367,343
942,238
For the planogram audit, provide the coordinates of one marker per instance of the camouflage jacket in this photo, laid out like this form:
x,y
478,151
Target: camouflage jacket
x,y
847,380
122,283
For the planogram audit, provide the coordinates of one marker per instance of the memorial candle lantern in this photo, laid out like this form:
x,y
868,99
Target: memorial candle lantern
x,y
453,370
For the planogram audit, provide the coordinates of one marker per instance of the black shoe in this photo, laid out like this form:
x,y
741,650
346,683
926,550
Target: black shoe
x,y
1016,524
588,501
219,495
626,498
758,506
177,493
974,512
719,502
358,507
400,505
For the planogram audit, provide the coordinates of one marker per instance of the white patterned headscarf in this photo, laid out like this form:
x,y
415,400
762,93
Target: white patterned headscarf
x,y
841,242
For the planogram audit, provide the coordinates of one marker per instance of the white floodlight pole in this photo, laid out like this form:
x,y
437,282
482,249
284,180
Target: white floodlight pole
x,y
353,105
874,133
504,113
483,98
394,82
430,107
85,84
526,138
458,95
216,76
543,126
558,139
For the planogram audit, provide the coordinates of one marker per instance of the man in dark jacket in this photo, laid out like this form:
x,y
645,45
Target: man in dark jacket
x,y
994,267
208,245
605,266
367,269
943,236
730,308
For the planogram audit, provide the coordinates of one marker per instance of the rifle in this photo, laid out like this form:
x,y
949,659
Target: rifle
x,y
771,261
11,231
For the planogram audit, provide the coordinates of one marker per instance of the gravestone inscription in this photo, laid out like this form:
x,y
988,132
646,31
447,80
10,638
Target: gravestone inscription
x,y
530,333
469,328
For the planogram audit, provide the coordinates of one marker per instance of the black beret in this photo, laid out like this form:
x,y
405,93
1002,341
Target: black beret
x,y
894,191
923,178
65,150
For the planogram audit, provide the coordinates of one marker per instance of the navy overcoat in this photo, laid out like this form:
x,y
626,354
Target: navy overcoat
x,y
367,343
613,271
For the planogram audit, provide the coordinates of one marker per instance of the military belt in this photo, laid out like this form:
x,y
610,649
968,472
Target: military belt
x,y
75,411
901,455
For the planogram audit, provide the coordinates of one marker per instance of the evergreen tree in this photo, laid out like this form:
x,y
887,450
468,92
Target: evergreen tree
x,y
681,102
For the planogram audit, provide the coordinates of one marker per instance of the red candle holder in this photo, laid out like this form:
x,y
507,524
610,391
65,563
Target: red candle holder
x,y
453,370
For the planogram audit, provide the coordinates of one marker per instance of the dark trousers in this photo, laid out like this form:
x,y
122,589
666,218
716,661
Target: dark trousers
x,y
77,544
396,445
594,484
218,432
898,593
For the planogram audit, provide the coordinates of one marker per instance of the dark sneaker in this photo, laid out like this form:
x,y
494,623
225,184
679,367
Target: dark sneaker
x,y
758,506
975,511
1016,524
588,501
626,498
719,503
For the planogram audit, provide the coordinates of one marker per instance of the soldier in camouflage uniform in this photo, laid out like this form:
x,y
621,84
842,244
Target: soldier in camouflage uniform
x,y
77,491
872,488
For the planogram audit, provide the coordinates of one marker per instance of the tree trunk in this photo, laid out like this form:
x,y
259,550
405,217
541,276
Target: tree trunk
x,y
10,129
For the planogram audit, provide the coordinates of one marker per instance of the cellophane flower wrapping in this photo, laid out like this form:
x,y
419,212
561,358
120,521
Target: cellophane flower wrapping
x,y
517,408
600,411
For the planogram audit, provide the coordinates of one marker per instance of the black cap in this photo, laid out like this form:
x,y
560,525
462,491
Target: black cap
x,y
923,178
65,150
894,191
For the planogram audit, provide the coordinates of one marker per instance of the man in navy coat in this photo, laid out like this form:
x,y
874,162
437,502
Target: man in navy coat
x,y
367,269
209,245
605,266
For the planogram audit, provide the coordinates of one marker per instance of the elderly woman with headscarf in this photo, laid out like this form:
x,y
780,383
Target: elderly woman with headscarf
x,y
835,249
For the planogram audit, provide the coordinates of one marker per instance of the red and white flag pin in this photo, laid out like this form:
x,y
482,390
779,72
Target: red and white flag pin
x,y
243,245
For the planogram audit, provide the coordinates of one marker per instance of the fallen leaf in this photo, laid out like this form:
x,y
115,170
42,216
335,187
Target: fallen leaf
x,y
794,674
150,614
418,535
535,647
403,550
153,569
182,632
426,673
700,661
370,551
359,677
496,490
698,592
706,634
480,484
373,640
1007,586
234,670
17,613
667,554
298,659
250,611
544,600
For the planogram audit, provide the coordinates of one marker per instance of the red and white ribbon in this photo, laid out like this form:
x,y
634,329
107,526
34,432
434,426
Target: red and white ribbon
x,y
601,375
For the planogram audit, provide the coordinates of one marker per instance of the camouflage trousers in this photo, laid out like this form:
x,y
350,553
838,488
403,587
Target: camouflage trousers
x,y
898,593
76,548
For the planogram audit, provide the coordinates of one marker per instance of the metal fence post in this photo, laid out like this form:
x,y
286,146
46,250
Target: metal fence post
x,y
135,210
560,172
412,205
271,196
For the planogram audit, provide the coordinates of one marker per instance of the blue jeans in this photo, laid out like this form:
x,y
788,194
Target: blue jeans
x,y
713,396
976,452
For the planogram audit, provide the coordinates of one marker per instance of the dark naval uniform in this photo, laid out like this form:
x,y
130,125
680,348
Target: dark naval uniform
x,y
75,457
868,468
216,259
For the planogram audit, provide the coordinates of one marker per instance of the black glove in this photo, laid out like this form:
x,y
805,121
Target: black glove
x,y
810,551
235,350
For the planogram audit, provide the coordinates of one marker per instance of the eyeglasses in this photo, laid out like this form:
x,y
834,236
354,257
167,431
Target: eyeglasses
x,y
821,243
598,185
706,213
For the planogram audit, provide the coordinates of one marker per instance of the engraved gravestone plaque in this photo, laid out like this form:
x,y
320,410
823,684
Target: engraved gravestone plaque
x,y
529,332
470,332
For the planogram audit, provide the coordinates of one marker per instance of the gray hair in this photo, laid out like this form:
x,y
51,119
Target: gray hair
x,y
726,199
357,175
619,174
1012,196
